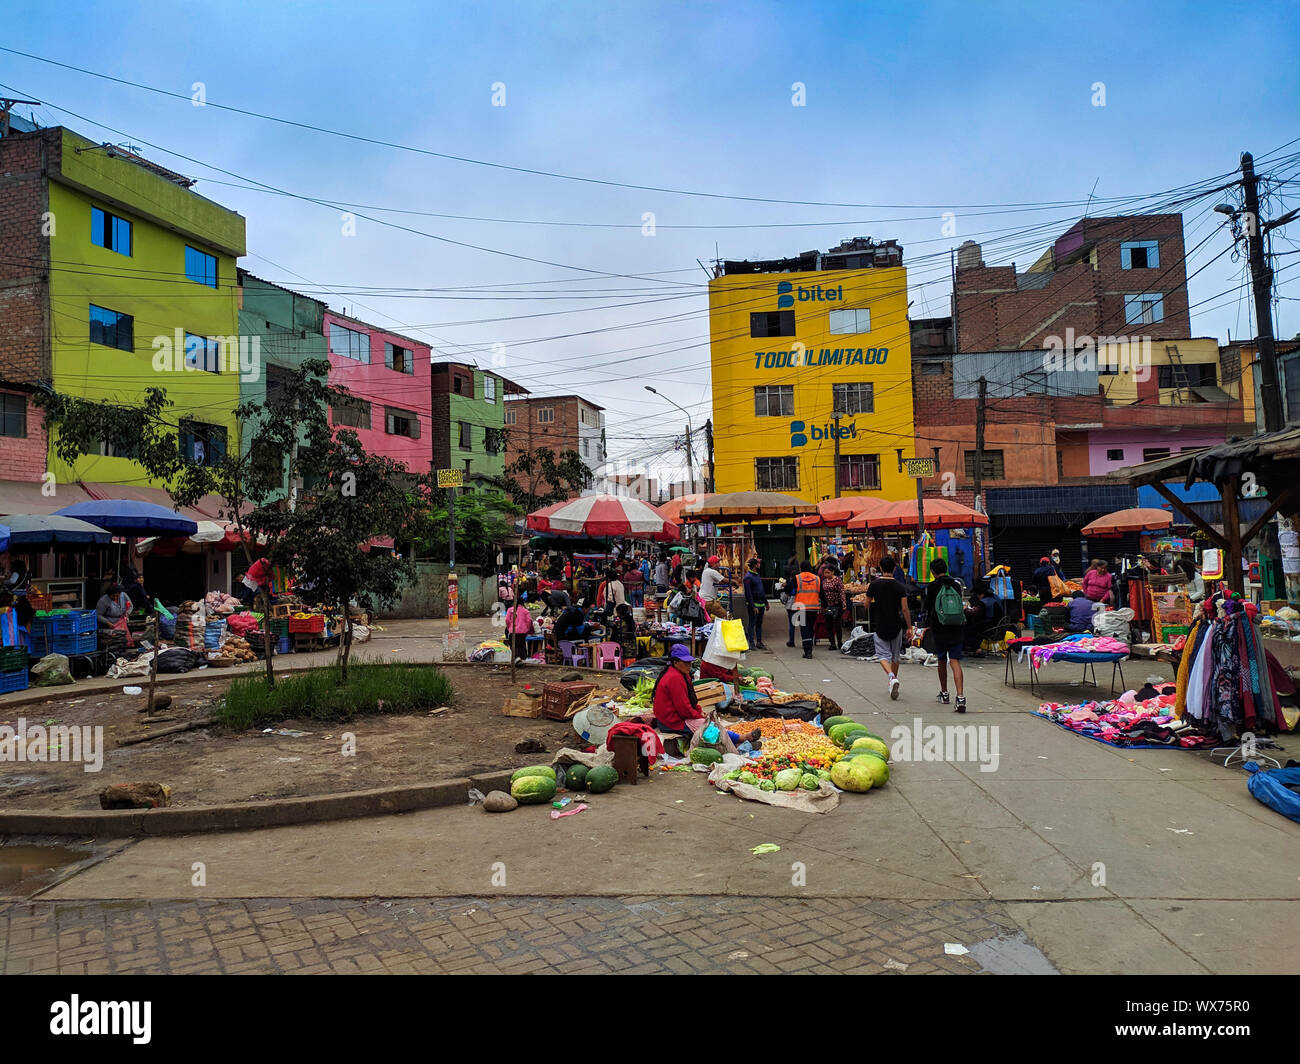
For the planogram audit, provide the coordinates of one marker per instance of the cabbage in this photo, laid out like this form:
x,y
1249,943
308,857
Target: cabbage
x,y
747,777
788,779
734,774
767,785
810,782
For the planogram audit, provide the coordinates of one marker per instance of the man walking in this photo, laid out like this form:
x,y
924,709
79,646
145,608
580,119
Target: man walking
x,y
946,616
890,621
756,603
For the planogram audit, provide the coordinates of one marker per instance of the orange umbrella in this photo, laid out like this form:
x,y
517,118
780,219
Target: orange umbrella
x,y
1136,519
939,513
836,513
672,509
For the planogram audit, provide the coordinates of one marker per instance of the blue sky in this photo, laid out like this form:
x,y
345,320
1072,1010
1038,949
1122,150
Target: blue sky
x,y
911,109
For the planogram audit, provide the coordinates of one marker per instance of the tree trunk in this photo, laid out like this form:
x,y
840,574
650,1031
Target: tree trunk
x,y
265,598
153,665
346,641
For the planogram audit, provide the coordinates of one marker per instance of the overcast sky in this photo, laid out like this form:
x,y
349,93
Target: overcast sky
x,y
908,111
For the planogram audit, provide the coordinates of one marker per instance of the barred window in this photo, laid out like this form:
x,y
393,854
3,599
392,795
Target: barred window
x,y
776,474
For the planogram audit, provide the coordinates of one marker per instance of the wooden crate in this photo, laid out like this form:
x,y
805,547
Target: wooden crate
x,y
558,698
522,707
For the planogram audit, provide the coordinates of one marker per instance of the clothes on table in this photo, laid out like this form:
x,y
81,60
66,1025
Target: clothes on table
x,y
1041,654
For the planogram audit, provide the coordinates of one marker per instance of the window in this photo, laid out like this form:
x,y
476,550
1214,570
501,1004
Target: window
x,y
466,442
860,471
351,413
200,267
589,417
401,359
545,415
776,474
277,381
13,414
108,450
1107,367
1145,309
851,321
202,352
493,440
772,323
993,466
110,231
469,471
202,444
489,389
1194,375
349,343
931,369
774,400
852,398
1115,454
1152,454
1139,255
510,417
401,423
111,329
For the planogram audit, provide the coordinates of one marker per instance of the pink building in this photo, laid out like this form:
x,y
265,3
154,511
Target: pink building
x,y
390,378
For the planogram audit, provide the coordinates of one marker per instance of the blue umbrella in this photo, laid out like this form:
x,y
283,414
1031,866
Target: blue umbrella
x,y
126,517
4,538
42,530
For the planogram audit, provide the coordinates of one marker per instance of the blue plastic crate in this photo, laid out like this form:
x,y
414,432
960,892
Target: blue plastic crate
x,y
13,681
85,643
283,646
75,622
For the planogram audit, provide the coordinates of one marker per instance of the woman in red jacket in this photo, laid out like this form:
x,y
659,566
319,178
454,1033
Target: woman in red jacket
x,y
674,702
1096,583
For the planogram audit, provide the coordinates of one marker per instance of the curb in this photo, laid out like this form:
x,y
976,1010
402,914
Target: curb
x,y
250,816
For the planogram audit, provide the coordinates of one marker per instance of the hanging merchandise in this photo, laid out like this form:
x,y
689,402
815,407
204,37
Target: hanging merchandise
x,y
1212,564
1224,679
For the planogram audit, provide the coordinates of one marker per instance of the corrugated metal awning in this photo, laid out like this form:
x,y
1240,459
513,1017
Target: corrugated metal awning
x,y
26,497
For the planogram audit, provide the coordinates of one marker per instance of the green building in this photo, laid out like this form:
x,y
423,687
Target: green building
x,y
469,420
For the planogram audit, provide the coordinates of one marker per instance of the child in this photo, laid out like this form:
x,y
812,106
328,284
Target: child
x,y
519,625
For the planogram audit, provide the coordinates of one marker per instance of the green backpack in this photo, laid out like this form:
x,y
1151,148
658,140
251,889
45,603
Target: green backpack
x,y
948,609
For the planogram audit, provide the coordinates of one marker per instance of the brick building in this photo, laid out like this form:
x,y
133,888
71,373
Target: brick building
x,y
557,422
469,419
1102,277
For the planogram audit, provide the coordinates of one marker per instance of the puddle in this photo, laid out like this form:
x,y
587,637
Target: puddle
x,y
1010,955
24,869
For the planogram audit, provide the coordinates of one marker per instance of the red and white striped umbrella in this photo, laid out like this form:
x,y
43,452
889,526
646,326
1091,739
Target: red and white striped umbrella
x,y
604,515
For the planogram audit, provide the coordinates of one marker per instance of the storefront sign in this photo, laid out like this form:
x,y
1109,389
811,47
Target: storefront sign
x,y
801,358
919,467
451,478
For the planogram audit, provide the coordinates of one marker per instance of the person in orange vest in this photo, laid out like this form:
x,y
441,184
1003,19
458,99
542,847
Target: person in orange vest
x,y
807,600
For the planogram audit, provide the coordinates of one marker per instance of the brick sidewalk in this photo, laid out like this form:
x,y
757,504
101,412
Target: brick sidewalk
x,y
669,935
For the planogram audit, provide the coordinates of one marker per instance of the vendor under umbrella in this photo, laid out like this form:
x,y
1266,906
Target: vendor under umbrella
x,y
674,702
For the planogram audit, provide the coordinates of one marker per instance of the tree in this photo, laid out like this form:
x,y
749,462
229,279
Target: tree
x,y
483,519
291,421
537,478
355,498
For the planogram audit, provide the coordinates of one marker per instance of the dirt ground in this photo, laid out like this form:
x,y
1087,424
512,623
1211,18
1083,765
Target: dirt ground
x,y
213,766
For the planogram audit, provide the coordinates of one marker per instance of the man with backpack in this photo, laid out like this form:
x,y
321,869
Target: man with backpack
x,y
946,616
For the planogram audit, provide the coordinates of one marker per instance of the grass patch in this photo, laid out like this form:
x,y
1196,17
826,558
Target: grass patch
x,y
316,695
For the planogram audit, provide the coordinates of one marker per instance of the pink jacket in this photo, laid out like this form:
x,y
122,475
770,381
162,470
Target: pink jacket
x,y
518,620
1096,585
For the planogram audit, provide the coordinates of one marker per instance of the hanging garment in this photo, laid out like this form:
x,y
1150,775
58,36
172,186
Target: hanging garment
x,y
1202,669
1225,702
1194,638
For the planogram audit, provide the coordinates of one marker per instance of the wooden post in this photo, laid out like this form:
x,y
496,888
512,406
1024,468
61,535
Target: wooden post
x,y
153,664
1232,533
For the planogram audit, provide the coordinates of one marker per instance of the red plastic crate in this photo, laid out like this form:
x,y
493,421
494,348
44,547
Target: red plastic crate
x,y
307,624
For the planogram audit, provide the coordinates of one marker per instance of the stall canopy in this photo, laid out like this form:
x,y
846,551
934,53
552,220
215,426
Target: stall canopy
x,y
1135,519
1271,460
4,538
212,534
739,506
127,517
50,530
836,513
902,516
28,497
604,515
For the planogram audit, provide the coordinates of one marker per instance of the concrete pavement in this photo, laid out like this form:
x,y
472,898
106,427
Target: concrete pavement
x,y
1106,860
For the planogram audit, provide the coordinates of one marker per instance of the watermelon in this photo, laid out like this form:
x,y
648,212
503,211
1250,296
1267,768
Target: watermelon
x,y
843,735
532,790
836,730
853,774
870,742
830,722
601,778
705,755
576,776
533,770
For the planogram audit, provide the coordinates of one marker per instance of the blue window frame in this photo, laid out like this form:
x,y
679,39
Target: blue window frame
x,y
109,231
202,352
202,444
200,267
112,329
1139,255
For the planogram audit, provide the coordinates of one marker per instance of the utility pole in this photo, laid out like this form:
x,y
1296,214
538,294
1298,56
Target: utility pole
x,y
710,482
690,458
1261,278
836,430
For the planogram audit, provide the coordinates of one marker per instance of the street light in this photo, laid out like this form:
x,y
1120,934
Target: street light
x,y
690,455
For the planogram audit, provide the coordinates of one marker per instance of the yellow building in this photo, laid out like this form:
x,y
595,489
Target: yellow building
x,y
143,293
802,355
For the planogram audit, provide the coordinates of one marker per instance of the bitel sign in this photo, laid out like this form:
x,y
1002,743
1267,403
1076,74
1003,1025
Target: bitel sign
x,y
786,293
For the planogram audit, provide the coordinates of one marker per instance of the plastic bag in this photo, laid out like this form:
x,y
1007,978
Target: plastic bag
x,y
52,671
733,636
